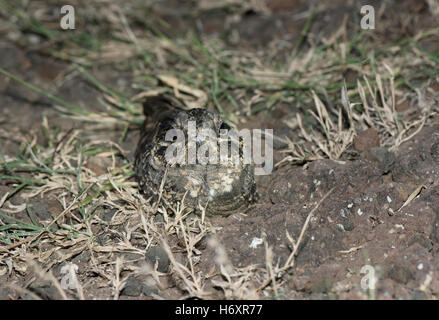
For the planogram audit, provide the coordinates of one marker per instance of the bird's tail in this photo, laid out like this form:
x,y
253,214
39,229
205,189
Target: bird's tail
x,y
156,106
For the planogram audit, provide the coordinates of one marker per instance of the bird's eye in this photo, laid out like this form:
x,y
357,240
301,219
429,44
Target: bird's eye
x,y
224,126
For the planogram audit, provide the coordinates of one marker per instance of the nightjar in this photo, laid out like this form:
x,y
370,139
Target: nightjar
x,y
221,188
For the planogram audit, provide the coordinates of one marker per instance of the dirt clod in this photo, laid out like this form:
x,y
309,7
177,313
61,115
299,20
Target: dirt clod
x,y
366,139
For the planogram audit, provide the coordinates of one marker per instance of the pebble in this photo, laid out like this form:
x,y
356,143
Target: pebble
x,y
157,253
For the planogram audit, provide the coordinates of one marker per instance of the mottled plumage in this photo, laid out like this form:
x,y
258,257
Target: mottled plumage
x,y
220,188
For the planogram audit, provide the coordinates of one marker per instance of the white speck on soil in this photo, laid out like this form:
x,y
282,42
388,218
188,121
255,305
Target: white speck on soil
x,y
256,242
389,200
359,212
350,205
420,266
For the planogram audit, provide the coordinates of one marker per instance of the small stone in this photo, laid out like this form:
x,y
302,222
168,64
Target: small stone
x,y
422,241
418,295
366,139
400,274
157,253
108,214
256,242
135,287
39,209
132,288
343,213
348,225
44,289
435,151
149,290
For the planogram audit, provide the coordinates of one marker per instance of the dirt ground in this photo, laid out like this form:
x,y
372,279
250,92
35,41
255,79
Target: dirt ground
x,y
351,210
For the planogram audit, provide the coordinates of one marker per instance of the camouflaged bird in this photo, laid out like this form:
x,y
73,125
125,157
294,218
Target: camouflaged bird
x,y
221,189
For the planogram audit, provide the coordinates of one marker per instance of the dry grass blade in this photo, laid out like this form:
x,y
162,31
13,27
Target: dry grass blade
x,y
191,281
412,196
